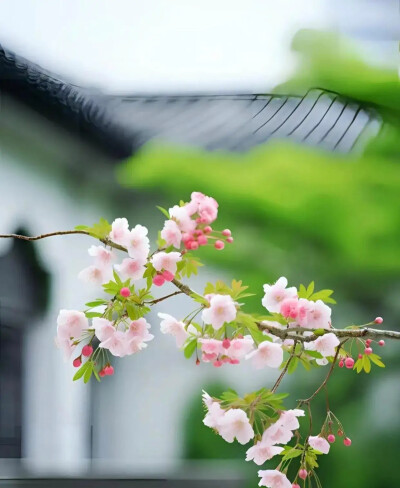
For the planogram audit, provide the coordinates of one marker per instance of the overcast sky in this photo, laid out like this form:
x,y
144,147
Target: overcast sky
x,y
163,45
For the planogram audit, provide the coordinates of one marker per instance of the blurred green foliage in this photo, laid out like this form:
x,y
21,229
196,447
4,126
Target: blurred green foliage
x,y
308,214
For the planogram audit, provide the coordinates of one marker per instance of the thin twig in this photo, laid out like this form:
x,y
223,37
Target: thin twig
x,y
157,300
284,371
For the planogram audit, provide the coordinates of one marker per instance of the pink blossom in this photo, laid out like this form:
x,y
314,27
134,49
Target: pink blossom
x,y
207,400
96,275
166,261
290,308
288,418
138,329
238,348
222,309
235,424
104,329
138,245
131,268
211,346
208,210
276,434
318,315
267,354
275,294
214,415
71,323
103,256
120,231
67,346
326,344
171,234
169,325
271,478
182,218
116,344
260,453
319,444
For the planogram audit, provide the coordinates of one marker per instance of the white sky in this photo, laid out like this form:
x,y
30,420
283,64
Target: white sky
x,y
168,45
175,45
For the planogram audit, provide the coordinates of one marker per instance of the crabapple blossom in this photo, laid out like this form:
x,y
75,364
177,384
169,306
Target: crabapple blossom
x,y
211,346
131,268
166,261
318,315
169,325
96,275
208,210
71,323
275,294
222,310
67,347
272,478
138,244
288,418
239,348
171,234
139,329
103,256
104,329
182,218
260,453
326,344
267,354
235,424
319,444
119,231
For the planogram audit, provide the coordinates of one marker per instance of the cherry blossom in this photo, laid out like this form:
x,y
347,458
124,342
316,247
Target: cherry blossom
x,y
211,346
119,232
288,418
182,218
139,329
235,424
131,268
239,348
96,275
275,294
272,478
169,325
261,452
138,244
318,315
166,261
276,434
70,324
267,354
208,210
222,310
326,344
171,234
104,329
67,346
103,256
319,444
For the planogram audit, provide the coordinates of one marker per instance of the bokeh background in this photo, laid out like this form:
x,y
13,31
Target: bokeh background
x,y
308,213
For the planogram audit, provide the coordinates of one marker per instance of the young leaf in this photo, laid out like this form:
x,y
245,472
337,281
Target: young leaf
x,y
190,347
88,372
81,371
163,211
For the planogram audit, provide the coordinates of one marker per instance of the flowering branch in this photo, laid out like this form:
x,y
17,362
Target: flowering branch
x,y
297,330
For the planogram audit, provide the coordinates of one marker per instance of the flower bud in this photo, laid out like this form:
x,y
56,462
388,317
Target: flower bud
x,y
87,350
125,292
303,474
378,320
347,442
331,438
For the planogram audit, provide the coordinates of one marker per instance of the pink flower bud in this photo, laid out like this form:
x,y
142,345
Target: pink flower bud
x,y
207,229
125,292
234,361
226,233
202,240
368,342
368,350
158,280
340,433
341,363
109,370
347,442
303,474
167,275
188,243
381,343
295,485
229,240
102,373
219,245
349,363
226,343
331,438
77,362
194,245
378,320
198,232
197,362
360,356
87,350
217,363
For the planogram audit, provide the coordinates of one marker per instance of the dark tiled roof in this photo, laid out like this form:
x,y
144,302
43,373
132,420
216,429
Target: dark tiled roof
x,y
120,124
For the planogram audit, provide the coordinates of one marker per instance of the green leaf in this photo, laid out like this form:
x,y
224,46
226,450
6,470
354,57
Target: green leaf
x,y
190,347
310,289
88,372
91,315
367,364
291,453
96,374
96,303
376,360
293,365
100,230
163,211
302,293
324,295
314,354
81,371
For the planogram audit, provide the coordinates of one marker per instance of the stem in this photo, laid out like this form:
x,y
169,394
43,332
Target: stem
x,y
157,300
284,371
